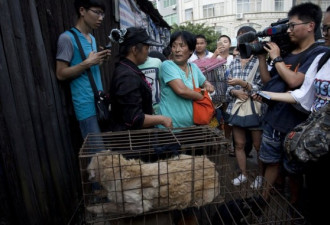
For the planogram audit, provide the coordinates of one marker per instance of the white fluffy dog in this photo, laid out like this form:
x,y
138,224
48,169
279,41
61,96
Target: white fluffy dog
x,y
135,187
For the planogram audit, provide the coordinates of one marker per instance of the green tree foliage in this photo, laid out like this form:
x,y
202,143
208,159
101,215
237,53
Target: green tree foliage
x,y
208,32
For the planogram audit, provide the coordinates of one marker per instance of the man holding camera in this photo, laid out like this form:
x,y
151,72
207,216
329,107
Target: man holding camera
x,y
69,65
287,73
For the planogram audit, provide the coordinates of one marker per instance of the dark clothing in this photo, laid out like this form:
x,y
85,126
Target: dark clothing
x,y
283,116
131,97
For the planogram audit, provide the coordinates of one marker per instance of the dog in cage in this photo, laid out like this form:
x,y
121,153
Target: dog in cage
x,y
135,187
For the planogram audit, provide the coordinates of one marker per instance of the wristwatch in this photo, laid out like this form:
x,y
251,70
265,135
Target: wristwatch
x,y
276,60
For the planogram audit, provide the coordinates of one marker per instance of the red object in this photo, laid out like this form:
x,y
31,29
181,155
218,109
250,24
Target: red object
x,y
203,110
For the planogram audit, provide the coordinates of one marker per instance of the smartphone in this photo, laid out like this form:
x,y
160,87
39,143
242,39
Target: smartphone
x,y
263,95
108,46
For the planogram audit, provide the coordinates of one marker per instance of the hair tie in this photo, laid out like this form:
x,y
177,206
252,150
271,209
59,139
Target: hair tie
x,y
117,35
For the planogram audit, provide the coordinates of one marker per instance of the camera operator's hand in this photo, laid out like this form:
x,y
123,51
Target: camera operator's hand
x,y
272,49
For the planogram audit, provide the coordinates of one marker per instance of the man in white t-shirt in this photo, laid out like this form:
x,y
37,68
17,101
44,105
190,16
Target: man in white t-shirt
x,y
200,51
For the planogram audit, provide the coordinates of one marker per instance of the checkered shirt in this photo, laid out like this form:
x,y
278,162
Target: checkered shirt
x,y
236,71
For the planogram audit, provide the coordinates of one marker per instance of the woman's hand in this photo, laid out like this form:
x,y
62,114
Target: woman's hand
x,y
236,81
208,87
240,94
167,122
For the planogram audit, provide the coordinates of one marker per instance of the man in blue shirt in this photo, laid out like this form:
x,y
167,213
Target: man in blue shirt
x,y
69,65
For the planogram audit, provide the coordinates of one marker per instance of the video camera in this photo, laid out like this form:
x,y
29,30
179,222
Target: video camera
x,y
277,33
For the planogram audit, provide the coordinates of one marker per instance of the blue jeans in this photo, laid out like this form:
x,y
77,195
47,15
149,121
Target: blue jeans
x,y
89,125
271,148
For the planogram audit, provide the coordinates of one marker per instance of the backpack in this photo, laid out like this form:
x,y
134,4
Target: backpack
x,y
310,140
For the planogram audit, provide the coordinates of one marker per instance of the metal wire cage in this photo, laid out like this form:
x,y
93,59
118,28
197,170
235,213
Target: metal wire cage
x,y
146,171
180,176
214,70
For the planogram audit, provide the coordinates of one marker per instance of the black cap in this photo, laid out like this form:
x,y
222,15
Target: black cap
x,y
137,35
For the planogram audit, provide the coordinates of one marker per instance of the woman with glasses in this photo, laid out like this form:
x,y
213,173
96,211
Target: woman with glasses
x,y
130,91
69,65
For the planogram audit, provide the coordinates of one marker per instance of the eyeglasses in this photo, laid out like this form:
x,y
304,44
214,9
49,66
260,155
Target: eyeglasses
x,y
291,25
325,28
98,12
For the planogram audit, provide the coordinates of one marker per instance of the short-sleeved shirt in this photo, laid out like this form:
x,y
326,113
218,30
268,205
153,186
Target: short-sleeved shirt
x,y
81,90
194,56
283,116
315,91
173,105
151,69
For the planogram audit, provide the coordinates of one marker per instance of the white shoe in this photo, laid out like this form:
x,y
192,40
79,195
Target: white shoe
x,y
257,183
239,180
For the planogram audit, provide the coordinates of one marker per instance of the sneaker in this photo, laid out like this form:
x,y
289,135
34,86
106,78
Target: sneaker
x,y
239,180
257,183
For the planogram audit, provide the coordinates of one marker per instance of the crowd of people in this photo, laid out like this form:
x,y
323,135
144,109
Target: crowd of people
x,y
150,89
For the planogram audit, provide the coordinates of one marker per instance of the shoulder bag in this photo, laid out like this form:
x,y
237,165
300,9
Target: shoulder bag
x,y
203,110
246,113
102,100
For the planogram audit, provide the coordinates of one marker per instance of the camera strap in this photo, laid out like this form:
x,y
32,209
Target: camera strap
x,y
302,57
323,60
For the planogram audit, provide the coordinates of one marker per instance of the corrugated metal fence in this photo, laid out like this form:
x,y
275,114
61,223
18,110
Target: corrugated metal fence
x,y
39,137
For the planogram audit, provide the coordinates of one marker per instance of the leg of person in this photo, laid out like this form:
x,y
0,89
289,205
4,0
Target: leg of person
x,y
248,144
239,136
271,155
227,129
89,125
256,137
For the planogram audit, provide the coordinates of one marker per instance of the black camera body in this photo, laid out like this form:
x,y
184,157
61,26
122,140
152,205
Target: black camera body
x,y
277,33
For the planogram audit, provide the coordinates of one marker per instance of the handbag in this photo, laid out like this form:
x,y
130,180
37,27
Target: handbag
x,y
246,113
101,99
203,110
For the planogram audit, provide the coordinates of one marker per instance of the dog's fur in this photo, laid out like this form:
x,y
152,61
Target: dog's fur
x,y
169,184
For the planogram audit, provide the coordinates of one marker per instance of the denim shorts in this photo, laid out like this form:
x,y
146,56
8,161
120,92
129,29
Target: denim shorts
x,y
271,148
